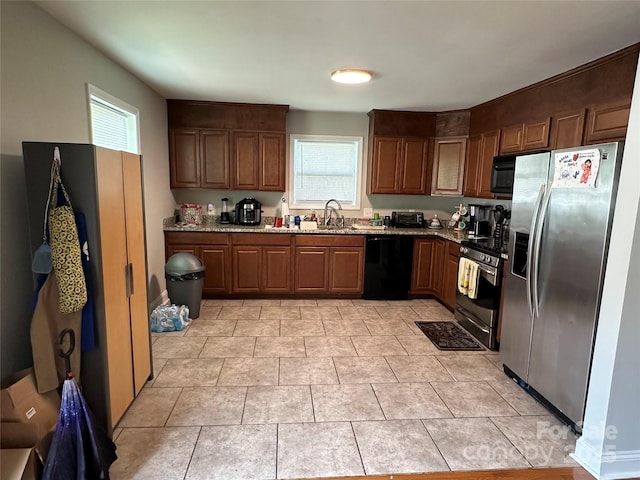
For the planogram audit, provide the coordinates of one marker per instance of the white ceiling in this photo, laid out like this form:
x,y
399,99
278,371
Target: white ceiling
x,y
425,55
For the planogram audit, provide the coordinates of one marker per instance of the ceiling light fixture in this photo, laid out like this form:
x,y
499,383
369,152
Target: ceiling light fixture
x,y
351,76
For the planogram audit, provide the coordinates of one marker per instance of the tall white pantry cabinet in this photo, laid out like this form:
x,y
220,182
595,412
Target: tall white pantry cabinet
x,y
106,186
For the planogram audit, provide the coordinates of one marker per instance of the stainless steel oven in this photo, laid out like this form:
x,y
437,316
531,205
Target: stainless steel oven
x,y
479,316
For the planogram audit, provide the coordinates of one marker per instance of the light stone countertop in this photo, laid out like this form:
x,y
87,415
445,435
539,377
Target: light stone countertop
x,y
448,234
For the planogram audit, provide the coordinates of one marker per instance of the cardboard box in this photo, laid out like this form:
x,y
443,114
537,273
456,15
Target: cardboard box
x,y
19,464
24,450
21,402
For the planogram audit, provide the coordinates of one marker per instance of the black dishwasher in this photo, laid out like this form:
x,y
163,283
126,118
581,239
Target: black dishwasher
x,y
387,267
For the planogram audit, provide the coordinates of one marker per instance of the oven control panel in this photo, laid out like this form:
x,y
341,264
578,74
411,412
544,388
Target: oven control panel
x,y
473,254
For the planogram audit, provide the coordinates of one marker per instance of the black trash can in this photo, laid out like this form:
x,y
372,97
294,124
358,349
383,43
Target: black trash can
x,y
185,277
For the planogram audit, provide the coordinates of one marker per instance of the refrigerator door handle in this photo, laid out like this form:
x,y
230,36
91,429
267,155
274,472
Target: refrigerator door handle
x,y
531,248
536,253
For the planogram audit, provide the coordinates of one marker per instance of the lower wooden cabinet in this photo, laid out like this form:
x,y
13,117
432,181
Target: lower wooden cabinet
x,y
435,269
261,263
450,277
213,251
329,264
428,255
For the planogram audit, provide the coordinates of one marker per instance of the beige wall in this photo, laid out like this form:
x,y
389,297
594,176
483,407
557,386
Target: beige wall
x,y
45,69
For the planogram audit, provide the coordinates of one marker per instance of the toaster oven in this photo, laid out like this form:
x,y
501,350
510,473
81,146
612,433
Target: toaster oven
x,y
407,219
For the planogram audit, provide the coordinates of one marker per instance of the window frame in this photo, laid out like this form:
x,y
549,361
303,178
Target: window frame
x,y
358,140
113,102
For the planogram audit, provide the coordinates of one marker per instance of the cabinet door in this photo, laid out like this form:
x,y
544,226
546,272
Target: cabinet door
x,y
184,166
276,269
450,281
312,269
414,166
607,122
512,138
386,165
346,269
567,130
473,168
536,135
214,159
490,144
137,265
216,274
437,265
448,166
272,162
421,271
112,228
173,249
247,262
246,160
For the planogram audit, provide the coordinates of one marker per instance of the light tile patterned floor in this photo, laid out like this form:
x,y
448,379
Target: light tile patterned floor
x,y
283,389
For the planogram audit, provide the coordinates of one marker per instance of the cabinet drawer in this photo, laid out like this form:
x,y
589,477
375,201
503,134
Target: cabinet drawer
x,y
261,239
195,238
330,240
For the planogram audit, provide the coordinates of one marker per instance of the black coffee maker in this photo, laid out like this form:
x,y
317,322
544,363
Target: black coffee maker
x,y
479,220
501,219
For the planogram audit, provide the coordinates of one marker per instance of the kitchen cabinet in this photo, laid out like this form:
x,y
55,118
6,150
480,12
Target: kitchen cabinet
x,y
567,129
227,145
213,251
399,165
259,161
198,158
450,277
428,258
329,264
448,165
399,153
607,122
261,263
525,137
106,186
479,162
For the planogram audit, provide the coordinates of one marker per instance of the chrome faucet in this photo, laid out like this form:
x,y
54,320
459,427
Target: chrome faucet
x,y
327,219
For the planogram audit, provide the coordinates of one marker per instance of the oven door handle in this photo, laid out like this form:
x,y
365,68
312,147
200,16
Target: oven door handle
x,y
466,315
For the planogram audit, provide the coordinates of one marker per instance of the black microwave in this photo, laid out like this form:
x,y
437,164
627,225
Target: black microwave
x,y
502,171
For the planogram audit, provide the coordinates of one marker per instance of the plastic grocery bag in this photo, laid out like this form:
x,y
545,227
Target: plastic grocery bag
x,y
169,318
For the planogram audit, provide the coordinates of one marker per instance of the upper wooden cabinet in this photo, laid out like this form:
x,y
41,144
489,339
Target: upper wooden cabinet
x,y
525,137
567,129
227,145
477,177
448,165
607,122
399,152
399,165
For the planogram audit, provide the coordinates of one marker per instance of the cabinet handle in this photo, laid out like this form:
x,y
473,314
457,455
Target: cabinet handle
x,y
129,279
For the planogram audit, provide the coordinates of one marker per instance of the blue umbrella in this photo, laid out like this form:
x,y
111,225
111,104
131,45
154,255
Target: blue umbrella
x,y
80,449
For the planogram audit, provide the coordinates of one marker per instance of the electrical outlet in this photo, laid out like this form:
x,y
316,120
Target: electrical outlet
x,y
368,212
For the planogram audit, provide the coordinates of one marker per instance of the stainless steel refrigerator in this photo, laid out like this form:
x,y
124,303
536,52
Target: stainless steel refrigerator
x,y
562,210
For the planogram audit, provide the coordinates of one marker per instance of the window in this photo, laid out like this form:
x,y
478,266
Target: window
x,y
324,167
114,124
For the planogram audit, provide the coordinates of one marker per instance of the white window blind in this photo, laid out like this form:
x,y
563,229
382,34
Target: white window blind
x,y
325,168
114,124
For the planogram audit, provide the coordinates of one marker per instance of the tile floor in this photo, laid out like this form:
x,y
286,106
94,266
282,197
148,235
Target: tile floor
x,y
284,389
